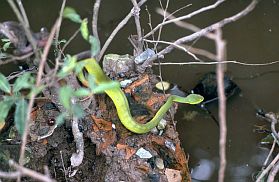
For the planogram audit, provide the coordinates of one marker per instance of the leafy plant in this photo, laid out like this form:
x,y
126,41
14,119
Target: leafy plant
x,y
14,97
72,15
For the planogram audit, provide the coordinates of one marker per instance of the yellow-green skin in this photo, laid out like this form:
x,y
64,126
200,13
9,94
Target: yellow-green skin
x,y
121,103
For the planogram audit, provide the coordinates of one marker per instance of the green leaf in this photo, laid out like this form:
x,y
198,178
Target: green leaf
x,y
36,90
68,66
4,84
23,82
20,115
79,67
105,86
65,94
71,14
194,99
5,40
82,92
84,29
91,81
6,46
77,111
5,106
95,45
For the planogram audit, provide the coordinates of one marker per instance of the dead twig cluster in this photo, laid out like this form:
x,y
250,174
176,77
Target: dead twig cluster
x,y
272,168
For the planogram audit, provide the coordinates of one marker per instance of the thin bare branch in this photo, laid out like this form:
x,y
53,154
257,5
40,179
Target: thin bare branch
x,y
178,46
70,40
95,18
138,26
273,173
23,13
164,19
116,30
264,172
210,28
28,172
270,153
184,24
16,58
58,28
201,52
38,84
217,3
221,55
222,62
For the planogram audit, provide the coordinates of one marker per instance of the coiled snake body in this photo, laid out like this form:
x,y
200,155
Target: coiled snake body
x,y
121,103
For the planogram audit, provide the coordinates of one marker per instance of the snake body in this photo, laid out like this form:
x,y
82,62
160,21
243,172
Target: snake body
x,y
121,103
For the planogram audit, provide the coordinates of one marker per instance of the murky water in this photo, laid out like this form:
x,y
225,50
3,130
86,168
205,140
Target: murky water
x,y
253,39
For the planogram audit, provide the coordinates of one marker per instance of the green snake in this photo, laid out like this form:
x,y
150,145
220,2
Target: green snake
x,y
121,103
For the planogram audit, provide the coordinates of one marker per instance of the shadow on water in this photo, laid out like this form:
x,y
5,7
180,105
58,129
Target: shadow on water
x,y
252,39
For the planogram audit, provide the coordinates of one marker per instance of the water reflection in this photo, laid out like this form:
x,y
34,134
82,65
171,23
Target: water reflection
x,y
203,171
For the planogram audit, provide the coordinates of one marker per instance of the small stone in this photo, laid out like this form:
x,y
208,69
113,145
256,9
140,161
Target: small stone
x,y
143,154
154,131
162,124
148,53
125,83
159,163
163,85
170,145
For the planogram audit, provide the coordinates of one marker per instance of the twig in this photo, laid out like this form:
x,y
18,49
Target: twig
x,y
23,13
185,17
59,24
221,62
274,121
204,31
270,153
184,24
116,30
16,74
136,14
164,19
38,83
95,18
28,172
273,173
70,40
16,58
175,45
201,52
221,54
64,169
264,172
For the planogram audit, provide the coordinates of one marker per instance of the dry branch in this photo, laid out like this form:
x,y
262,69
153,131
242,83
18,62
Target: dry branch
x,y
95,18
204,31
221,55
185,17
116,30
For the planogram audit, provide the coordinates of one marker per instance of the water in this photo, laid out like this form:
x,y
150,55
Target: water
x,y
252,39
